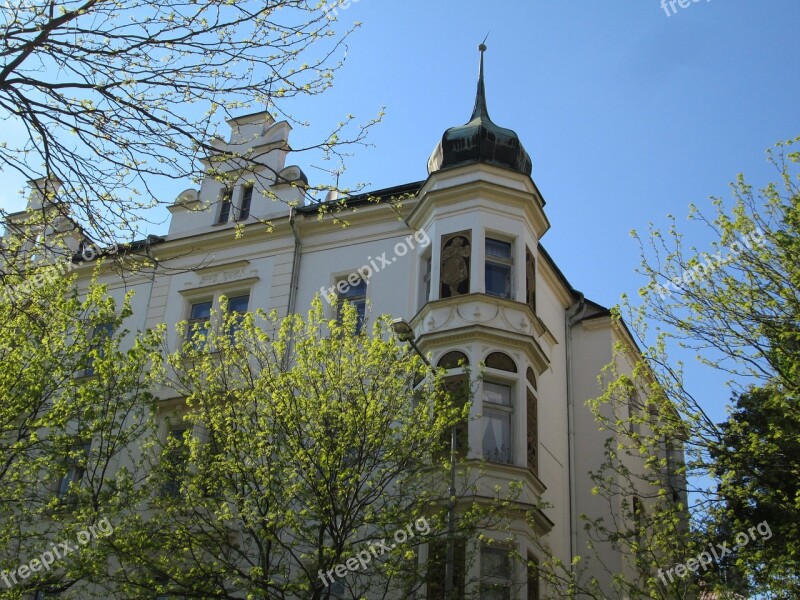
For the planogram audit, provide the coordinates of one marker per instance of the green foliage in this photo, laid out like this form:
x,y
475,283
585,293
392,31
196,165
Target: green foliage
x,y
757,462
738,306
73,405
103,99
307,443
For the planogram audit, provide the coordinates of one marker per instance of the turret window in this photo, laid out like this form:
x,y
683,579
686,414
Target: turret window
x,y
498,413
496,573
499,265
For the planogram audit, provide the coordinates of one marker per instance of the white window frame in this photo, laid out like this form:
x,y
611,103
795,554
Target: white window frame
x,y
75,471
425,277
225,206
502,582
505,411
342,279
216,306
508,263
245,187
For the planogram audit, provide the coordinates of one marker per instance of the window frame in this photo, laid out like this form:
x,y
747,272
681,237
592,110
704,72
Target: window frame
x,y
99,334
457,376
177,457
496,582
506,412
245,202
213,320
425,277
499,262
75,469
435,568
225,206
192,332
358,301
237,324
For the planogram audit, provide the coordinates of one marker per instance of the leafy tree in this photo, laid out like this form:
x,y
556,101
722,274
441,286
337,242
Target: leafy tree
x,y
298,444
737,306
74,406
101,99
757,462
633,549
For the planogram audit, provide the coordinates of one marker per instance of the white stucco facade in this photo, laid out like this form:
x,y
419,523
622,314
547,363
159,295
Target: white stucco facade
x,y
282,254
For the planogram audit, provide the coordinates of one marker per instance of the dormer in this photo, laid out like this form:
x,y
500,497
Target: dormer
x,y
246,180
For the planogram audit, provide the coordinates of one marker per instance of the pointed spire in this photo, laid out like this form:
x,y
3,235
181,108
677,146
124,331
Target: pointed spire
x,y
480,110
480,140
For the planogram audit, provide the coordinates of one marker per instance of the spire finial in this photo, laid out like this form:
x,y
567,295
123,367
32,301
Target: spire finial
x,y
480,109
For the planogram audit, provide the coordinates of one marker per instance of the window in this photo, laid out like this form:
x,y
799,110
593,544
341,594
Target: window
x,y
533,578
532,424
176,459
75,468
426,266
497,418
237,306
530,279
499,265
355,294
675,469
495,573
225,206
531,377
437,567
639,524
199,320
457,386
247,199
500,361
453,360
100,333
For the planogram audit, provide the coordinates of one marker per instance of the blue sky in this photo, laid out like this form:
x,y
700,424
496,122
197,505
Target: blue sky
x,y
628,114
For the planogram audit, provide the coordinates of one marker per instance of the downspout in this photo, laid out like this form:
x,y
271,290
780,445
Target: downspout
x,y
574,314
293,281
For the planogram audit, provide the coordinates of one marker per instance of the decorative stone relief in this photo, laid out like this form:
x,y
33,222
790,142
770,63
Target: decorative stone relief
x,y
455,265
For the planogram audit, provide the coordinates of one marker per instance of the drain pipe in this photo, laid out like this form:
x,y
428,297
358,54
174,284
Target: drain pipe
x,y
574,314
293,281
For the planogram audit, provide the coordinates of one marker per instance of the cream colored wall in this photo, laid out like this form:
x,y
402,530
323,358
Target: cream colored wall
x,y
553,442
201,259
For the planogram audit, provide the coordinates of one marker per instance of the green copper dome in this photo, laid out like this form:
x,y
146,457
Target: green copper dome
x,y
480,141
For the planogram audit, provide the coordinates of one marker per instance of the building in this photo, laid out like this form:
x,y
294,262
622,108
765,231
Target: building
x,y
465,267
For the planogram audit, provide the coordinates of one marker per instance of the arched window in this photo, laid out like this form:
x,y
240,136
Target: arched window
x,y
503,362
453,360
